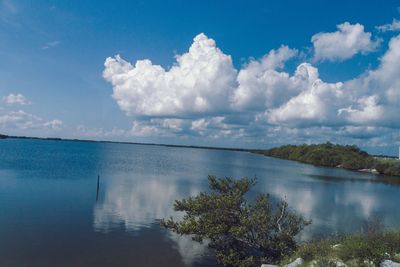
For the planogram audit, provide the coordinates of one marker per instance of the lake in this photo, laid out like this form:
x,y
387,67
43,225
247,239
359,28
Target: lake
x,y
49,215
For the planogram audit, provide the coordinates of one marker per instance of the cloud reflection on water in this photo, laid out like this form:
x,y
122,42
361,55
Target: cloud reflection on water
x,y
135,204
340,208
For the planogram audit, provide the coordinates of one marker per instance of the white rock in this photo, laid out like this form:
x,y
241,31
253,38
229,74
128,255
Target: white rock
x,y
374,171
389,263
297,262
340,264
336,246
268,265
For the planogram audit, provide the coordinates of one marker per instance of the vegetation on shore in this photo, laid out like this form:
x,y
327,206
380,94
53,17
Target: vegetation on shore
x,y
388,166
332,155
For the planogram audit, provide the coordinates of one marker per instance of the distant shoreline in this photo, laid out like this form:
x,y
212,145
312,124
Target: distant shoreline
x,y
254,151
130,143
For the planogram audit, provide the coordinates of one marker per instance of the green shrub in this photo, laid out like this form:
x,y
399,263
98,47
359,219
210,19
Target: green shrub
x,y
362,248
240,233
315,250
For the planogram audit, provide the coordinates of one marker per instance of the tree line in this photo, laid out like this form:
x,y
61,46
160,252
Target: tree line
x,y
333,155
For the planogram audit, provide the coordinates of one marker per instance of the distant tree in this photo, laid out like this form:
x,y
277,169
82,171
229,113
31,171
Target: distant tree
x,y
240,233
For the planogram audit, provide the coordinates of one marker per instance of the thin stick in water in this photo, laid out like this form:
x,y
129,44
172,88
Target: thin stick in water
x,y
98,184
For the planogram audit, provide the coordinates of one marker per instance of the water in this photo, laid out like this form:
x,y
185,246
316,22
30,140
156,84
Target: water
x,y
49,215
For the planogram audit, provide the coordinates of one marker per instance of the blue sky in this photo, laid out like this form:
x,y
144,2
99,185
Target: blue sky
x,y
226,92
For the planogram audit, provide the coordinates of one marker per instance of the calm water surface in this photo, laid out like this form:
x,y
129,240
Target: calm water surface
x,y
49,215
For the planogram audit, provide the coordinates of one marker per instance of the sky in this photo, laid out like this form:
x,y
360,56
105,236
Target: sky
x,y
250,74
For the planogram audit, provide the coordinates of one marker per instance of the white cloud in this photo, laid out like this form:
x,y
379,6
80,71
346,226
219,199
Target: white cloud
x,y
377,92
316,105
394,26
370,100
17,121
22,120
157,127
349,40
210,128
261,85
53,124
84,131
16,99
216,127
206,123
140,128
262,99
266,89
143,128
200,82
368,110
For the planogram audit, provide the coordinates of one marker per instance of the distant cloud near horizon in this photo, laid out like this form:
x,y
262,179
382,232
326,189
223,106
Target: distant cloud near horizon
x,y
204,94
18,121
21,120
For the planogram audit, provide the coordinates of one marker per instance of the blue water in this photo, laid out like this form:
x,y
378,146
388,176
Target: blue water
x,y
49,215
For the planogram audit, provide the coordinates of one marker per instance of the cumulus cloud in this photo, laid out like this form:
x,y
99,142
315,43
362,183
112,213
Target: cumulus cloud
x,y
347,41
394,26
16,99
200,82
370,100
261,85
377,92
202,94
316,105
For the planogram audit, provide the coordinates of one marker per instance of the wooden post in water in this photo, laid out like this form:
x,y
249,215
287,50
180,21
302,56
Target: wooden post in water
x,y
98,184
